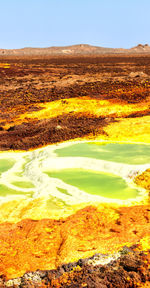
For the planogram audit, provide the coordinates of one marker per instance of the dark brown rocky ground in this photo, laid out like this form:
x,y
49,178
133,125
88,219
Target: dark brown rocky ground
x,y
27,83
130,270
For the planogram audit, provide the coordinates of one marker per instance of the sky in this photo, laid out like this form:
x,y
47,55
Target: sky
x,y
45,23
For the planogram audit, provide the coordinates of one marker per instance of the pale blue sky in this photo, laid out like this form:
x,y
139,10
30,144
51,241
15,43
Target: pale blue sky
x,y
44,23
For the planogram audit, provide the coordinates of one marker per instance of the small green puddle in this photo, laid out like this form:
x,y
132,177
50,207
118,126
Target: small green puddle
x,y
105,185
55,203
5,191
23,184
121,153
6,164
63,191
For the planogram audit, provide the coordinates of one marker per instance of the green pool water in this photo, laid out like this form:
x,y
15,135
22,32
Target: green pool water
x,y
102,184
62,190
6,191
28,173
122,153
23,184
6,164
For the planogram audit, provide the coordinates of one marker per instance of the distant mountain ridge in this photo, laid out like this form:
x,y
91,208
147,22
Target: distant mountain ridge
x,y
81,49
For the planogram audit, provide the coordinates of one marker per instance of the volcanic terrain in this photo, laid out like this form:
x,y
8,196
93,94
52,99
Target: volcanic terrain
x,y
44,100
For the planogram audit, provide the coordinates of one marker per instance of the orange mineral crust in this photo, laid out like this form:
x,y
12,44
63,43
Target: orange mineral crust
x,y
143,180
45,244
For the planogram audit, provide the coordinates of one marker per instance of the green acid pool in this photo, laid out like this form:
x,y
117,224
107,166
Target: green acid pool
x,y
6,164
122,153
105,185
74,172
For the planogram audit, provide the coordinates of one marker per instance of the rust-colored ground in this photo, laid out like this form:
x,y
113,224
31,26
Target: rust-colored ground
x,y
101,97
48,100
45,244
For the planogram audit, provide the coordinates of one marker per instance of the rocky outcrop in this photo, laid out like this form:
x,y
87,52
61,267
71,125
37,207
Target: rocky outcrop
x,y
130,270
143,180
